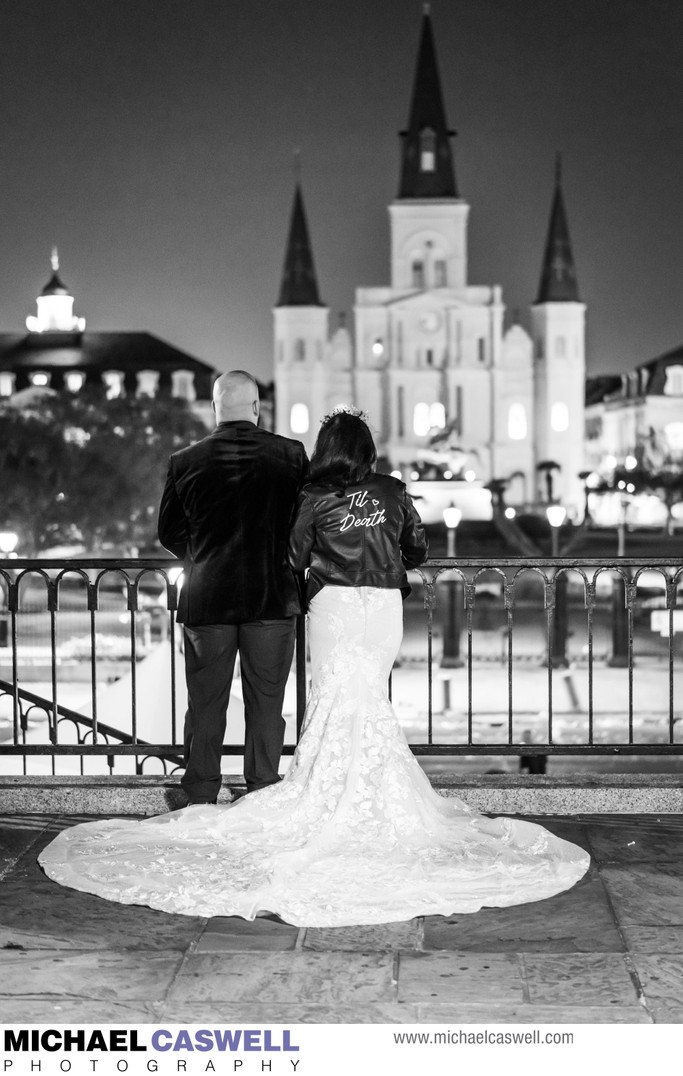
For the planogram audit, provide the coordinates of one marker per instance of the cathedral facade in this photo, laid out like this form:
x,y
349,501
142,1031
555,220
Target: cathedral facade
x,y
447,385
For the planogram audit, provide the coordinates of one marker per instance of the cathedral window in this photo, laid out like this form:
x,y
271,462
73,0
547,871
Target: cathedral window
x,y
421,422
437,416
298,419
429,357
440,274
418,274
74,380
299,350
481,349
427,150
6,384
559,417
113,380
517,424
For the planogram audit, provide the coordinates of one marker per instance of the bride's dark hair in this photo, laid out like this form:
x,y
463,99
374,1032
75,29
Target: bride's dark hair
x,y
344,451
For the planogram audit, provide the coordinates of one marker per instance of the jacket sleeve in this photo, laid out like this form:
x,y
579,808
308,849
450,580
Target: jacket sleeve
x,y
172,526
302,534
413,540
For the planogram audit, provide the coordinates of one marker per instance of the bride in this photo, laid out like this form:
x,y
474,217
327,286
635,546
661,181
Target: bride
x,y
354,833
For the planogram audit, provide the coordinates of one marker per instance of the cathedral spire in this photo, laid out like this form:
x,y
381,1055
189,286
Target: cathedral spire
x,y
558,276
427,161
299,286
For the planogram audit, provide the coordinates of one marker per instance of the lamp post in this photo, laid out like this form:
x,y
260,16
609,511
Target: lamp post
x,y
619,658
556,514
450,658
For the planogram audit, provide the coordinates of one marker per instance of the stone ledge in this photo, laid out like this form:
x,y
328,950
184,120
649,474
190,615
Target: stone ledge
x,y
488,793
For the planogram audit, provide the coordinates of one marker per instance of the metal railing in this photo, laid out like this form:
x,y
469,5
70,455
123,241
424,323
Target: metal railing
x,y
517,656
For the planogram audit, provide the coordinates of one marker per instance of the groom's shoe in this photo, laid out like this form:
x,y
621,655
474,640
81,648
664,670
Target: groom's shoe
x,y
197,802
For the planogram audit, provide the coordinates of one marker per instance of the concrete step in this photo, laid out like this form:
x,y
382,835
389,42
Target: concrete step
x,y
527,794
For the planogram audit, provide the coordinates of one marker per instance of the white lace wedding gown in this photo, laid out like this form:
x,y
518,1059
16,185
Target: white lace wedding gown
x,y
353,834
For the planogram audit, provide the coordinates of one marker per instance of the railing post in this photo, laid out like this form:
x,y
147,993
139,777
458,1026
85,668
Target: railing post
x,y
619,658
450,657
560,633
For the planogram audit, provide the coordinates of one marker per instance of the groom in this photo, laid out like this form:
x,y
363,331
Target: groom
x,y
226,511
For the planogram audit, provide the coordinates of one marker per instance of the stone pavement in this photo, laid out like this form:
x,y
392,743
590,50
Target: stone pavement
x,y
609,951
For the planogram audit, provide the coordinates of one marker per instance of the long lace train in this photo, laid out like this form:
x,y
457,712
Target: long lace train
x,y
353,834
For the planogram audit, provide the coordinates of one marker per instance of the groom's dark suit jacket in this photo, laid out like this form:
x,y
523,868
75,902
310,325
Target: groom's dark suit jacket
x,y
226,511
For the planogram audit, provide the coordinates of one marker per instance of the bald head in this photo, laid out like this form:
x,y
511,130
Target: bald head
x,y
235,397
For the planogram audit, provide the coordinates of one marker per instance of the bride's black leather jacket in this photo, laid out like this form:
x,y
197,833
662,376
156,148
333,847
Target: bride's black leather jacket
x,y
353,536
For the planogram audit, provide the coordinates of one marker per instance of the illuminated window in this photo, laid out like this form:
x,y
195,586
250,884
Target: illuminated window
x,y
182,382
39,379
148,382
6,384
74,380
437,415
674,435
418,274
559,417
421,422
517,425
113,379
673,386
298,418
377,348
427,150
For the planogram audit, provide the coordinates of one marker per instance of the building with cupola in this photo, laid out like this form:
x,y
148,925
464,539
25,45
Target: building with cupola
x,y
57,352
448,381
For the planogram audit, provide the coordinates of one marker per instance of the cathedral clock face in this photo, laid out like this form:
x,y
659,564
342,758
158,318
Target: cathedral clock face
x,y
430,321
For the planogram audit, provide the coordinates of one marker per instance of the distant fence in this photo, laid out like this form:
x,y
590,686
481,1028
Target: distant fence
x,y
518,656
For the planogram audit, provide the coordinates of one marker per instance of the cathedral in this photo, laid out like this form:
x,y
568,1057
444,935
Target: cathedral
x,y
451,391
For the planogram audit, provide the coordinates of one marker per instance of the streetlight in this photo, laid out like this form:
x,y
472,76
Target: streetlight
x,y
556,515
450,657
8,543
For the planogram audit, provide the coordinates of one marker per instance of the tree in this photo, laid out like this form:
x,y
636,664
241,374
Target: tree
x,y
79,467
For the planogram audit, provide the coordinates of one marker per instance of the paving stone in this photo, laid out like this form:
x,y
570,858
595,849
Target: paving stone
x,y
37,913
646,894
599,979
467,977
102,976
579,920
17,834
525,1013
22,1011
238,1012
286,978
650,841
231,934
654,939
367,939
667,1016
661,977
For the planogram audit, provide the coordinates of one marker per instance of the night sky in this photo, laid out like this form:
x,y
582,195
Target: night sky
x,y
153,142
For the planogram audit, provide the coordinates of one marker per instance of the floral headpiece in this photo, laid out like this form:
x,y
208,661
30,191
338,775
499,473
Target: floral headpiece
x,y
346,409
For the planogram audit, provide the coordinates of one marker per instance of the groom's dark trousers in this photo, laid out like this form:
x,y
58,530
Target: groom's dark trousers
x,y
266,648
226,511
